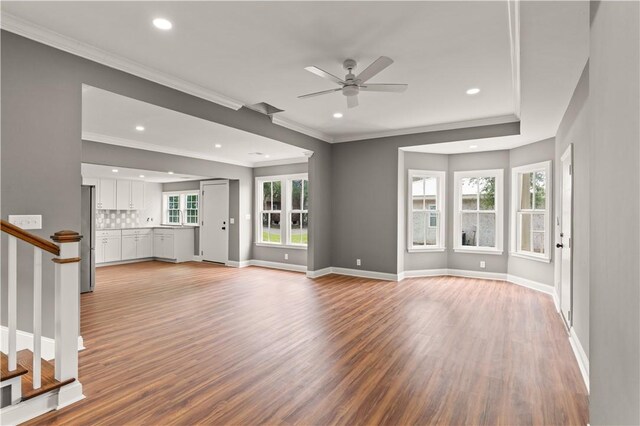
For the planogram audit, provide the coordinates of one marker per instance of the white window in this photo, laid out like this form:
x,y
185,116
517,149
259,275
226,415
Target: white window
x,y
282,210
180,208
426,211
530,211
478,211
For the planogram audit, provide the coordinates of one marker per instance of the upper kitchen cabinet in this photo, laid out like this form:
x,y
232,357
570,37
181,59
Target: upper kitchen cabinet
x,y
106,194
130,195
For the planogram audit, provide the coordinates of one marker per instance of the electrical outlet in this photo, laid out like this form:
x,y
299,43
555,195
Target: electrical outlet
x,y
26,221
358,262
247,216
483,264
232,220
286,256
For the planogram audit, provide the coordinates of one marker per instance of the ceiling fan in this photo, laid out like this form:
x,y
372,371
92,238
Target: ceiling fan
x,y
353,84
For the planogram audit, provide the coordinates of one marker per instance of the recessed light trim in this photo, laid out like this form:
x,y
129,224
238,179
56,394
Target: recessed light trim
x,y
218,145
473,146
114,170
141,176
337,115
267,156
473,91
170,172
162,24
140,128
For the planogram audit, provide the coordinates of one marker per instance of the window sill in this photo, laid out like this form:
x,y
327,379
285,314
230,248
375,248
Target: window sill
x,y
426,250
542,259
281,246
478,251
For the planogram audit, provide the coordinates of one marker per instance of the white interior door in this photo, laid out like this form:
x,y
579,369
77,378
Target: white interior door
x,y
214,222
566,296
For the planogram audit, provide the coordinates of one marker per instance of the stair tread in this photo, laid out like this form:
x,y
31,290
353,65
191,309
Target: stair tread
x,y
5,374
48,381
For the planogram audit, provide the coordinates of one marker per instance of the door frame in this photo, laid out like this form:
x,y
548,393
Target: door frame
x,y
566,156
224,182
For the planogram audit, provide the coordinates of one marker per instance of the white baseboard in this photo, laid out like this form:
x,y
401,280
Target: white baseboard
x,y
25,341
477,274
278,265
534,285
196,258
581,356
424,273
236,264
32,408
319,273
556,299
365,274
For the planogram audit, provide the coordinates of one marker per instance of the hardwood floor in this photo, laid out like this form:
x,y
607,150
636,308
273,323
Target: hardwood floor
x,y
202,344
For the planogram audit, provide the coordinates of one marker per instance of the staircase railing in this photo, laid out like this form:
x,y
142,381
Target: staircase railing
x,y
66,250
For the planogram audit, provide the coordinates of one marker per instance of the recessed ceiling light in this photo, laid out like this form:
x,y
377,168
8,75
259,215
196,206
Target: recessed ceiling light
x,y
337,115
140,128
141,176
162,24
218,145
170,173
267,156
473,91
473,146
114,170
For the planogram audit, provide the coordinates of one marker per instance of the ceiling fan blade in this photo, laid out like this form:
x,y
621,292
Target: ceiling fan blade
x,y
378,65
324,92
321,73
352,101
384,88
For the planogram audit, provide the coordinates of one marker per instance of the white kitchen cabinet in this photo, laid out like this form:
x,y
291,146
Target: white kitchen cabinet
x,y
129,245
175,244
145,246
108,246
106,194
130,195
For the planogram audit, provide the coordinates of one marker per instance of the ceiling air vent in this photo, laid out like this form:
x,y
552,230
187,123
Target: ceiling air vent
x,y
264,108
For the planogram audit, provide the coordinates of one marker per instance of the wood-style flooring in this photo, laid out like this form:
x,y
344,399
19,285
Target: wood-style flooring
x,y
196,343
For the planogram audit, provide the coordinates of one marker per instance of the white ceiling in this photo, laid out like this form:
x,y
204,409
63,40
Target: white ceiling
x,y
257,51
111,118
554,48
100,171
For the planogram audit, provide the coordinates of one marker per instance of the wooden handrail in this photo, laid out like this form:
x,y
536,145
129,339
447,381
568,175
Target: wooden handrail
x,y
27,237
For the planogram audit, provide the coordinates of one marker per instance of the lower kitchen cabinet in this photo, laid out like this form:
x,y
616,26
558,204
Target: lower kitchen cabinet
x,y
169,244
108,246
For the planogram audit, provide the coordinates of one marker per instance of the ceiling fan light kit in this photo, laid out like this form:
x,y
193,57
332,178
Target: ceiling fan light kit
x,y
352,84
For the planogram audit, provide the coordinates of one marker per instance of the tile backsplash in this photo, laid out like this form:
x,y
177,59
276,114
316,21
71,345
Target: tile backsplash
x,y
108,219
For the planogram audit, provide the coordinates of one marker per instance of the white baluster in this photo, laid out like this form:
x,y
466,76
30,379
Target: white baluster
x,y
37,316
12,298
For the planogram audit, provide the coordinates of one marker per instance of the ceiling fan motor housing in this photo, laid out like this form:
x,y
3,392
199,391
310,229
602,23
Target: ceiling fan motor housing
x,y
350,90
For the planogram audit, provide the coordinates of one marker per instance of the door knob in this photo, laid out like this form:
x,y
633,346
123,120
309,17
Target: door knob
x,y
559,245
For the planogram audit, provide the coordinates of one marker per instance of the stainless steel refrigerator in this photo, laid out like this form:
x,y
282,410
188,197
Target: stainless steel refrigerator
x,y
88,242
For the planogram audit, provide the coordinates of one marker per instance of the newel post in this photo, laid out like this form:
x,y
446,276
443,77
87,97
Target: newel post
x,y
67,304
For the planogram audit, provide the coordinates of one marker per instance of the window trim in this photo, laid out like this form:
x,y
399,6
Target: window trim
x,y
498,174
516,186
182,207
285,210
441,203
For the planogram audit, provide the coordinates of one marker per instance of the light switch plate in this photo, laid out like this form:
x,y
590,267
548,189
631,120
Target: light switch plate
x,y
26,221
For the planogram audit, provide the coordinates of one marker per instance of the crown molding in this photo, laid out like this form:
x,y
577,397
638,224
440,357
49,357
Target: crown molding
x,y
40,34
301,129
513,9
487,121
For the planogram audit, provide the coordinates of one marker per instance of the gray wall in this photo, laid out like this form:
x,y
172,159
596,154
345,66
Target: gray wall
x,y
503,159
525,268
614,98
575,129
41,148
364,189
181,186
276,254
